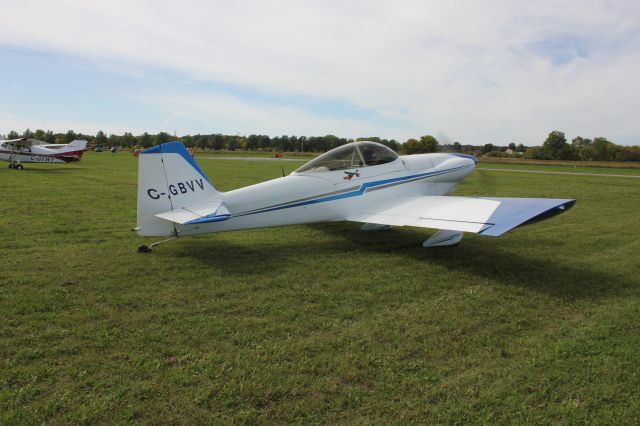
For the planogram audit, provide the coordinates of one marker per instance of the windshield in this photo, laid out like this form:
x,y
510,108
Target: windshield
x,y
350,156
375,153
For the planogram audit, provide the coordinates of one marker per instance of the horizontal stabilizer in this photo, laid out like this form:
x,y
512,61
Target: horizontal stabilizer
x,y
485,216
211,211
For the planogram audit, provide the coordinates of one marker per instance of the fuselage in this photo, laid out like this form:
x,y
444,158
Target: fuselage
x,y
40,153
319,196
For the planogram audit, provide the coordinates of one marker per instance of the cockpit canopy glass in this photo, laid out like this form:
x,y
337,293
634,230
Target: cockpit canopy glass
x,y
350,156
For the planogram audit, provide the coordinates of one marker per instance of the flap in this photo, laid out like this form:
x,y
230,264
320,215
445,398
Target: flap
x,y
486,216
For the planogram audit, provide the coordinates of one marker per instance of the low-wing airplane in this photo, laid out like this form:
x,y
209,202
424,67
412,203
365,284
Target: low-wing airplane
x,y
25,150
360,182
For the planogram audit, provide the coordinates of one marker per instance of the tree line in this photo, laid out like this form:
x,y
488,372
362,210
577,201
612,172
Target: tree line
x,y
555,147
218,141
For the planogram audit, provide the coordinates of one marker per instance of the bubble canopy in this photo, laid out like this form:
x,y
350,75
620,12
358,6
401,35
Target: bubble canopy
x,y
350,156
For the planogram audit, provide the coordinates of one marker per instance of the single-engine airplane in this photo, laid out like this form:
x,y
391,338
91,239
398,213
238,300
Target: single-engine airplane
x,y
360,182
25,150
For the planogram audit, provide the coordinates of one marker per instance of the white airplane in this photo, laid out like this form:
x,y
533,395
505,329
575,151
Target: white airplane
x,y
25,150
360,182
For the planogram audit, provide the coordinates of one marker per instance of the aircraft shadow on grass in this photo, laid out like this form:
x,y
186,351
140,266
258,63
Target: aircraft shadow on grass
x,y
479,257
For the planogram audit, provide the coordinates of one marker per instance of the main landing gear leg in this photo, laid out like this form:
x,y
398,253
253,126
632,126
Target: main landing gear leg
x,y
374,227
145,249
444,238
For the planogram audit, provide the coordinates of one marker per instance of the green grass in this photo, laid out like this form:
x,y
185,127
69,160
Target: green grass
x,y
314,324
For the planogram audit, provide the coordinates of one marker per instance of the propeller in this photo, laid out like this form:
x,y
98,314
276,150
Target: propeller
x,y
486,179
443,139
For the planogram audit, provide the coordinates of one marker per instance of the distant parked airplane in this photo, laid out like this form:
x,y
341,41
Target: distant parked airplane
x,y
25,150
360,181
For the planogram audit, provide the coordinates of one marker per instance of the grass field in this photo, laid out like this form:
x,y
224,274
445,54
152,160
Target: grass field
x,y
314,324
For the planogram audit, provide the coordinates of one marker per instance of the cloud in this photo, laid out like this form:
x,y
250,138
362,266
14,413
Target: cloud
x,y
208,113
492,71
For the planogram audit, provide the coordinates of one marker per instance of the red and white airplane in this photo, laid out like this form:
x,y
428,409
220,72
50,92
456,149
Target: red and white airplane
x,y
25,150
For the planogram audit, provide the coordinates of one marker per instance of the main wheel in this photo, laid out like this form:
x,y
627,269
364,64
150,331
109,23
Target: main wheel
x,y
19,166
144,249
11,165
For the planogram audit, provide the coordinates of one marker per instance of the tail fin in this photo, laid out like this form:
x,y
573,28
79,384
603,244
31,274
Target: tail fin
x,y
173,190
77,144
74,150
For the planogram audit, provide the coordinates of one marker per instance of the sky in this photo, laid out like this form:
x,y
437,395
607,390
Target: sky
x,y
475,72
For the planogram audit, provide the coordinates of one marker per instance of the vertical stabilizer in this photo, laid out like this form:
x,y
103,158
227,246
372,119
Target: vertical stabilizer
x,y
169,180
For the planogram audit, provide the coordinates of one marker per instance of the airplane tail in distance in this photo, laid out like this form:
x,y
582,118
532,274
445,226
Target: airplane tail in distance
x,y
173,191
77,144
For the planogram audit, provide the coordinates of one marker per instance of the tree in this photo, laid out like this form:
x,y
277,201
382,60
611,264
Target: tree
x,y
13,135
537,153
218,142
487,148
114,140
101,138
457,147
127,140
252,142
512,146
426,144
429,144
554,145
579,142
264,141
162,137
628,153
49,137
411,146
39,134
521,148
200,141
602,149
70,136
145,140
392,143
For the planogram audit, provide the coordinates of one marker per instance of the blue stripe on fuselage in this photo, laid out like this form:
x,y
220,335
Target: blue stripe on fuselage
x,y
363,188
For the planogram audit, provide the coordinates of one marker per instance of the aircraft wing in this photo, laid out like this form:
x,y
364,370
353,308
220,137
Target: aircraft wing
x,y
211,211
485,216
21,142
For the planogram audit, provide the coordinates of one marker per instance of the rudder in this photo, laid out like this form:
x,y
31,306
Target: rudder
x,y
168,180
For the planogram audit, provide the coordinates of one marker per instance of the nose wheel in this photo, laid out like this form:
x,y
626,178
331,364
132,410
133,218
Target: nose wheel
x,y
16,166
